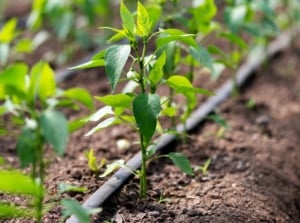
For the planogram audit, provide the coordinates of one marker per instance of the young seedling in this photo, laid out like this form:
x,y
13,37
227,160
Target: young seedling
x,y
204,167
32,101
141,109
93,164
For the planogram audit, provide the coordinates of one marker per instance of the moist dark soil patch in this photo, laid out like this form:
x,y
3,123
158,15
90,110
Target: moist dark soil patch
x,y
254,175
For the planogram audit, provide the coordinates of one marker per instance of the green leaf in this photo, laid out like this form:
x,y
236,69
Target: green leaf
x,y
154,12
170,35
116,57
11,211
116,100
42,82
92,160
55,129
203,14
127,19
13,81
104,124
63,188
27,145
112,167
75,125
182,162
219,120
81,95
102,112
24,46
143,21
203,57
157,72
8,31
234,39
16,183
90,64
146,108
72,207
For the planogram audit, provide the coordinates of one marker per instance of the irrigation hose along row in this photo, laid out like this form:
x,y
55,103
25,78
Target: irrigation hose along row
x,y
244,72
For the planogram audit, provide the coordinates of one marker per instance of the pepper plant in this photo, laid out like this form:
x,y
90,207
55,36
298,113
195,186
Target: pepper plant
x,y
31,104
142,107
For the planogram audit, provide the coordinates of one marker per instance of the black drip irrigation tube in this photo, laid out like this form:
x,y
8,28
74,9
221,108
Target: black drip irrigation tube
x,y
197,117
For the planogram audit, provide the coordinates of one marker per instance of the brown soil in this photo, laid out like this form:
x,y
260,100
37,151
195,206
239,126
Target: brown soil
x,y
254,175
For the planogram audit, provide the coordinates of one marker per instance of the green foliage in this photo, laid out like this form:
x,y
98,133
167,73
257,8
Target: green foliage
x,y
72,207
32,101
92,161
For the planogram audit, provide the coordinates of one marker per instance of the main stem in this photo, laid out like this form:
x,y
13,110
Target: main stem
x,y
143,179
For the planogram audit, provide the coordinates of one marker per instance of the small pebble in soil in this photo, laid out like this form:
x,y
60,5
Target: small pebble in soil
x,y
154,214
77,175
193,212
123,144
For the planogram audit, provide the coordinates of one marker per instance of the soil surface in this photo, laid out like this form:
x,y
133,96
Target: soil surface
x,y
253,177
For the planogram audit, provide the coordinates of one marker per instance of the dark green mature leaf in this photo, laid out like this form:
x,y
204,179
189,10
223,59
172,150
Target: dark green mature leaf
x,y
116,100
127,19
72,207
116,57
16,182
55,129
146,108
182,162
203,57
42,82
234,39
157,72
81,95
27,146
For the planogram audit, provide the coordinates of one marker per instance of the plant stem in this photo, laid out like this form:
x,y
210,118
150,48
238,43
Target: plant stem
x,y
40,181
143,179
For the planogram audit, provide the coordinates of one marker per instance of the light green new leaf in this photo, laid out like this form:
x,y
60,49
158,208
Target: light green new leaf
x,y
24,46
181,84
13,80
104,124
55,129
102,112
11,211
27,145
127,19
42,82
115,58
146,108
116,100
90,64
72,207
63,188
157,72
182,162
16,182
112,167
81,95
143,21
8,31
170,35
